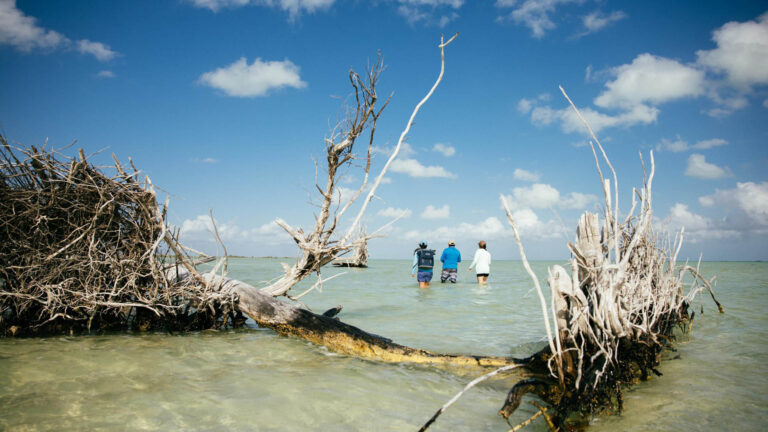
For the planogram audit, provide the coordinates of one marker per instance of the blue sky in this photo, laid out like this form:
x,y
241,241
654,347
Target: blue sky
x,y
224,103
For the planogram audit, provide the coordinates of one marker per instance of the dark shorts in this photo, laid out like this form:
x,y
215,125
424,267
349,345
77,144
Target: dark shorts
x,y
483,274
448,274
424,276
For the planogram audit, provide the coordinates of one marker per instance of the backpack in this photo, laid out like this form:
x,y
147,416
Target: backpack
x,y
426,258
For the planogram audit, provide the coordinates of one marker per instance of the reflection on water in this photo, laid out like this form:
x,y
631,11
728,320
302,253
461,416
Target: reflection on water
x,y
251,379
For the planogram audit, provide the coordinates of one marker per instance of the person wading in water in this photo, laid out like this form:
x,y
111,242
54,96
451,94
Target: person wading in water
x,y
423,261
482,263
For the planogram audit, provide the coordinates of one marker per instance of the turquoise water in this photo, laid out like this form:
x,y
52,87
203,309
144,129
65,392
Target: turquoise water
x,y
252,379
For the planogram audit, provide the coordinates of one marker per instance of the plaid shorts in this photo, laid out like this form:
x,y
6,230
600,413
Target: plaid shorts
x,y
448,274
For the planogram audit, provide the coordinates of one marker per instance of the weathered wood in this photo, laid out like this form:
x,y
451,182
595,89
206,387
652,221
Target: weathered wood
x,y
338,336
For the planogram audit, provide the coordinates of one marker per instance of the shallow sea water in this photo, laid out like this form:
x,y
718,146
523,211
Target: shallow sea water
x,y
252,379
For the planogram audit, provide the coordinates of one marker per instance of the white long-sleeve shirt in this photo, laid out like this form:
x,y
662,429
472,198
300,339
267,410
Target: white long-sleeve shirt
x,y
482,261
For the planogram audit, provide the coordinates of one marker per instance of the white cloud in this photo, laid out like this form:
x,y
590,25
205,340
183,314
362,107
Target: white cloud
x,y
391,212
446,150
521,174
680,145
105,74
97,49
676,146
741,53
431,12
257,79
524,106
414,168
199,231
710,143
749,198
431,212
535,14
538,195
488,228
680,216
209,160
697,227
542,196
405,150
578,200
23,33
651,79
699,167
598,20
293,7
569,121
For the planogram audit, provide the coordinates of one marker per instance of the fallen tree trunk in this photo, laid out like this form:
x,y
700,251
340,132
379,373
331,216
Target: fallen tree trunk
x,y
290,320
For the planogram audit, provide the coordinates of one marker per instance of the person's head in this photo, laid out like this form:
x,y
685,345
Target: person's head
x,y
423,244
481,244
451,243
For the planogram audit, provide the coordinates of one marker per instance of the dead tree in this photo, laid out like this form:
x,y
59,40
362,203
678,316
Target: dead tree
x,y
319,247
611,314
83,250
359,256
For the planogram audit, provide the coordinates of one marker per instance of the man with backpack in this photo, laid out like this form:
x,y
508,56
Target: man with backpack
x,y
423,261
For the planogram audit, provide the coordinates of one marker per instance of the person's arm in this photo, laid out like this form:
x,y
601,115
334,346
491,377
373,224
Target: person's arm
x,y
442,257
474,261
458,260
415,263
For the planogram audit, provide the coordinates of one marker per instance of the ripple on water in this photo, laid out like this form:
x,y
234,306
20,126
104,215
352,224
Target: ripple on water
x,y
251,379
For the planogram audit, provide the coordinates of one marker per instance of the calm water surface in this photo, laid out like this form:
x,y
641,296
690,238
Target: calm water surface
x,y
251,379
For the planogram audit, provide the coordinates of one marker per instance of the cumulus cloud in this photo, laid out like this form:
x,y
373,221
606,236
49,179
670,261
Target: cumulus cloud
x,y
414,168
694,226
534,14
405,150
651,79
749,198
391,212
488,228
524,106
542,196
576,200
432,212
570,122
243,80
199,231
680,145
293,7
741,53
430,12
444,149
521,174
634,91
597,21
105,74
23,33
699,167
96,49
